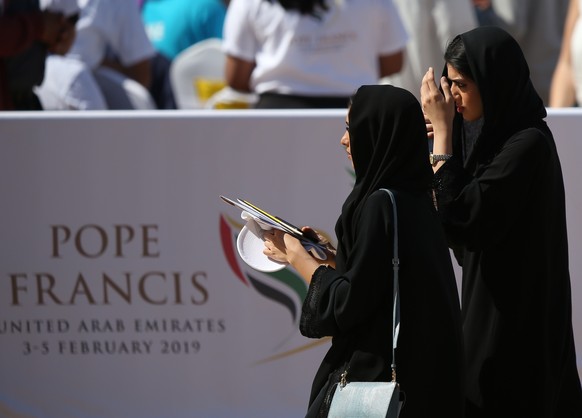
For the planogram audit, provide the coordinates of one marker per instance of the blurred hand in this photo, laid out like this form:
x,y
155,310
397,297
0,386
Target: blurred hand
x,y
52,26
482,4
65,40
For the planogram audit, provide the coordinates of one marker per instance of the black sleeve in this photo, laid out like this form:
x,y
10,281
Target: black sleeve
x,y
338,302
478,211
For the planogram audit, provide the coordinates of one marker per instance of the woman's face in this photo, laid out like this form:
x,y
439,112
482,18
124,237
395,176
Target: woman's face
x,y
345,141
466,95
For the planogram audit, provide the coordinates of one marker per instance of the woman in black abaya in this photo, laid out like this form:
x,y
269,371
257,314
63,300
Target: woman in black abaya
x,y
351,299
500,196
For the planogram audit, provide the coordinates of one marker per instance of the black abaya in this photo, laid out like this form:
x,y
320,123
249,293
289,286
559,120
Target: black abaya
x,y
503,209
353,303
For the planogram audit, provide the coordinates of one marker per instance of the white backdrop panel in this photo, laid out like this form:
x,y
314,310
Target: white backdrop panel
x,y
117,296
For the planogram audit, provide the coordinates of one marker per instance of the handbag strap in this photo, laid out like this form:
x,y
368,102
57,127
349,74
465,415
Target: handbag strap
x,y
396,296
396,291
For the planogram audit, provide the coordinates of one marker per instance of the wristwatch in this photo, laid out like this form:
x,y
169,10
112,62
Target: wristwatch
x,y
435,158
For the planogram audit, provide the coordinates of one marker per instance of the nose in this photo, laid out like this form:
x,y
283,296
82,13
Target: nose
x,y
345,139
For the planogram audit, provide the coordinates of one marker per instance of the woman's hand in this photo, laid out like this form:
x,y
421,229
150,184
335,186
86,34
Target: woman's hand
x,y
429,129
438,107
329,249
439,112
284,248
280,246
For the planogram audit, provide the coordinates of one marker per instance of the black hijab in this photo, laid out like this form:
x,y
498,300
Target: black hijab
x,y
389,149
510,101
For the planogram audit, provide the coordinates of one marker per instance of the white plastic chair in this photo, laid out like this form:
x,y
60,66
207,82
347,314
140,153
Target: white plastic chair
x,y
121,92
204,59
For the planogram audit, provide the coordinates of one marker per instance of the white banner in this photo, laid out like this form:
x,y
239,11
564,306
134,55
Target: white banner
x,y
121,293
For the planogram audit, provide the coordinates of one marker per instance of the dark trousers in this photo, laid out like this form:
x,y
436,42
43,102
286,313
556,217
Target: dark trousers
x,y
292,101
26,101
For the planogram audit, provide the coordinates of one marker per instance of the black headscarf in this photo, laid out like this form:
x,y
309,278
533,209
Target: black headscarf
x,y
389,149
510,101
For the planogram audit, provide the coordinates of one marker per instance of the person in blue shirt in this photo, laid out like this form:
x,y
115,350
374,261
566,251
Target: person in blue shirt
x,y
174,25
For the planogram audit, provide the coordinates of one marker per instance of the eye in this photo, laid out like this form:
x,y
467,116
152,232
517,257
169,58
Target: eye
x,y
347,126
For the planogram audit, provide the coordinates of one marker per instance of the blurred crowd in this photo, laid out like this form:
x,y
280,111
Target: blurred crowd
x,y
119,54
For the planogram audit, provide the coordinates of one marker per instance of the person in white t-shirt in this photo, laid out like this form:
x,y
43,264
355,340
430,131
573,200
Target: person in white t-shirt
x,y
111,34
310,54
